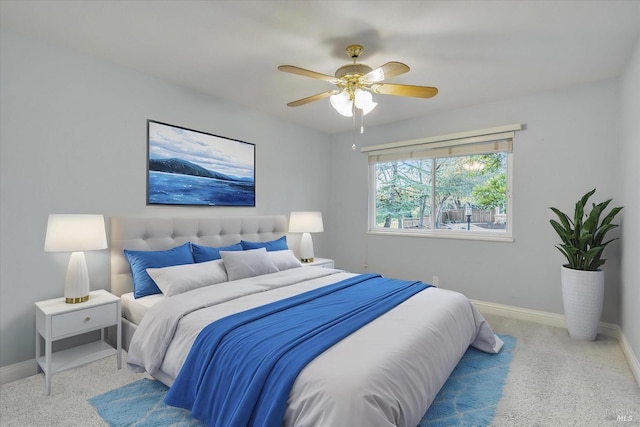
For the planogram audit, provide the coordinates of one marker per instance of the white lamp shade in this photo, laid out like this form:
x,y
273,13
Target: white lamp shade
x,y
305,222
364,101
342,104
73,233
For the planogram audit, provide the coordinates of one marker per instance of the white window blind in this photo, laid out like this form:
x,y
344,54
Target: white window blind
x,y
483,141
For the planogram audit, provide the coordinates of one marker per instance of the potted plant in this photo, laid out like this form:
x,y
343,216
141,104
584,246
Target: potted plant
x,y
582,279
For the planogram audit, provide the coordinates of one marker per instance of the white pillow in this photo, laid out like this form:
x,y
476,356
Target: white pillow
x,y
182,278
284,260
250,263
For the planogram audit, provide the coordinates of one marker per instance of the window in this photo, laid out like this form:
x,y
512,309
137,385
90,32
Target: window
x,y
451,186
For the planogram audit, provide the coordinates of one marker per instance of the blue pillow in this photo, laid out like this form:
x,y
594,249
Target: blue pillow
x,y
274,245
208,253
139,261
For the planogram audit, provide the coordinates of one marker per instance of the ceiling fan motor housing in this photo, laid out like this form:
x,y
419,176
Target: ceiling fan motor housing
x,y
352,70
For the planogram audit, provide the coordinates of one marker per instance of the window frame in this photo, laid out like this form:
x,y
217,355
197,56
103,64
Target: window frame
x,y
406,148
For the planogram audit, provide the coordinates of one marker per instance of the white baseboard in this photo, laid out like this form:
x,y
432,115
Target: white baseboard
x,y
558,321
632,360
18,371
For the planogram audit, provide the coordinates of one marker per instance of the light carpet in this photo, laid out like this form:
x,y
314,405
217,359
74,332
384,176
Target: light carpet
x,y
468,398
553,380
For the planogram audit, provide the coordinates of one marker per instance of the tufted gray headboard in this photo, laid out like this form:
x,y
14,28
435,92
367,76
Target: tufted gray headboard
x,y
154,234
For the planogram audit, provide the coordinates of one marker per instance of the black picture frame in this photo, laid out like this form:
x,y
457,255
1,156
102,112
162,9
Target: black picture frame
x,y
187,167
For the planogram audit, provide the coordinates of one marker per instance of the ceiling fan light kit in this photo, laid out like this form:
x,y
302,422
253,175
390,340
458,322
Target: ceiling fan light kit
x,y
345,104
355,84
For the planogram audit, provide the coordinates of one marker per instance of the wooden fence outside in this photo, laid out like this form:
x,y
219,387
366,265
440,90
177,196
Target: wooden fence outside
x,y
477,216
456,216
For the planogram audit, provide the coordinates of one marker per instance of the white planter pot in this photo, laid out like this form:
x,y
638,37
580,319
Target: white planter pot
x,y
582,298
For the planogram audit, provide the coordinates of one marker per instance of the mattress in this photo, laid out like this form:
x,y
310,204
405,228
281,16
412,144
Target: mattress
x,y
134,309
385,374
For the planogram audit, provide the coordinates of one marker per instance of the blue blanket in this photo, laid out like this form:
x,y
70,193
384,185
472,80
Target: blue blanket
x,y
241,368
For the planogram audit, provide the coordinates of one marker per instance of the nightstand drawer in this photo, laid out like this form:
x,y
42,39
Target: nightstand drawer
x,y
83,320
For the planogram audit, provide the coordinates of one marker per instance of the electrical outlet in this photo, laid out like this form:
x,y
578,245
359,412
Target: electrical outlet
x,y
436,281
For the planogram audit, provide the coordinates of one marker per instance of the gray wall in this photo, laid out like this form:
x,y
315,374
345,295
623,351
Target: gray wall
x,y
73,140
569,147
630,193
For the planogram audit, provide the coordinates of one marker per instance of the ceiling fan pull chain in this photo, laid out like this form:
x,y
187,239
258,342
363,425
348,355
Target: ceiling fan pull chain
x,y
353,115
353,138
353,122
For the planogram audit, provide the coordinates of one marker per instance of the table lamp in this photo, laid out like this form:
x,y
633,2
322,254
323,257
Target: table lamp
x,y
305,223
75,234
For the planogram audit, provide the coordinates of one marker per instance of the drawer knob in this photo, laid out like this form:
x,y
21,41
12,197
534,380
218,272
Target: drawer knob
x,y
87,319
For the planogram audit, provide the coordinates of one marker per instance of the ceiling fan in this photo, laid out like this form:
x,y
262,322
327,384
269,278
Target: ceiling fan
x,y
357,82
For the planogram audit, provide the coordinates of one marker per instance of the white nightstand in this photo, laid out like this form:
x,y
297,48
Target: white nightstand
x,y
320,262
56,319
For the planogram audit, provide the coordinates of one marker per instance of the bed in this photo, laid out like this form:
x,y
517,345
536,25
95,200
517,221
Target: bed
x,y
386,373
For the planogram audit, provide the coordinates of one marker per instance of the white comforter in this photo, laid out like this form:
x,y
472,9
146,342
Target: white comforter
x,y
385,374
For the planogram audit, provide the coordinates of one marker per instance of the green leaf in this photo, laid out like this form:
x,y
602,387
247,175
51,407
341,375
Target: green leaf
x,y
583,200
564,234
566,222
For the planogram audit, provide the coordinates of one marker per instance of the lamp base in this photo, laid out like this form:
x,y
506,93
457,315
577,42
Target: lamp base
x,y
306,248
76,300
76,287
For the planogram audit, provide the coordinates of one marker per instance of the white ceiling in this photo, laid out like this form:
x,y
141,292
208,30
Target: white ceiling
x,y
473,51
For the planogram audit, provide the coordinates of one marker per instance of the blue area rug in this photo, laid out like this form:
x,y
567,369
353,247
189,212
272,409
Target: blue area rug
x,y
472,392
468,398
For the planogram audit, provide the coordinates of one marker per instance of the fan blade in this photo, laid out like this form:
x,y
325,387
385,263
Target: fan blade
x,y
386,71
404,90
312,98
307,73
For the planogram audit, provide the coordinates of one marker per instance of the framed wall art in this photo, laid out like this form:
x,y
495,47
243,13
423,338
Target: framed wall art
x,y
188,167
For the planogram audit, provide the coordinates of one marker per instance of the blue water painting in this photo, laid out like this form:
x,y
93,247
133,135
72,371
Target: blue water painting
x,y
188,167
176,189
